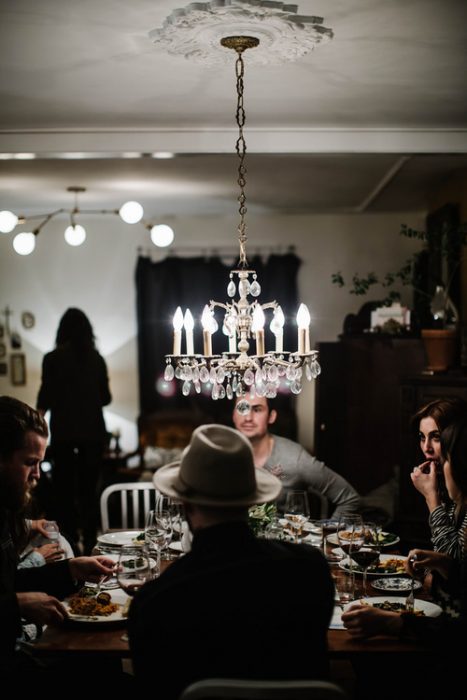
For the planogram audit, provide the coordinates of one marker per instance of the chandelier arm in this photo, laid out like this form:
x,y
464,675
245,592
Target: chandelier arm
x,y
98,211
45,221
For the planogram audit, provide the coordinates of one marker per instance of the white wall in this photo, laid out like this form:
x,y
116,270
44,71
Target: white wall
x,y
98,277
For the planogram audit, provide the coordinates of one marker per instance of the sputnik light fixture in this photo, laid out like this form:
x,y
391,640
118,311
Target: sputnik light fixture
x,y
235,372
75,234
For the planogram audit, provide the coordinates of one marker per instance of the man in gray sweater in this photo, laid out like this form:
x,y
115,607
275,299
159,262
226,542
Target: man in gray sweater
x,y
287,460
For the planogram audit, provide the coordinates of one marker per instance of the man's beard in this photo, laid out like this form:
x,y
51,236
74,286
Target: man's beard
x,y
14,495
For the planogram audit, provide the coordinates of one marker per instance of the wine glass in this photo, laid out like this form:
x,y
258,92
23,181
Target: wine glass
x,y
297,512
350,533
133,571
154,537
350,537
368,553
177,514
164,524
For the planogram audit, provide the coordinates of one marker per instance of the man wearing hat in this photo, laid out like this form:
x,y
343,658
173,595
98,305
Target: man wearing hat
x,y
234,606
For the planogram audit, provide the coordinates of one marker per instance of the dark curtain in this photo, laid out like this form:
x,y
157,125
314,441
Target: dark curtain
x,y
193,282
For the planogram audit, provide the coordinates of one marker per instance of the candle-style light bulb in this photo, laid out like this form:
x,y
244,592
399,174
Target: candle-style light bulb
x,y
303,323
209,327
178,325
257,327
189,324
277,326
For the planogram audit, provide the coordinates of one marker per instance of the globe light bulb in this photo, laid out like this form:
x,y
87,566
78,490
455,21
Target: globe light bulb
x,y
8,221
24,243
162,235
75,235
131,212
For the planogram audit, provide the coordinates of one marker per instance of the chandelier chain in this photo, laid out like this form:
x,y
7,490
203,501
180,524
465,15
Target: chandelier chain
x,y
241,152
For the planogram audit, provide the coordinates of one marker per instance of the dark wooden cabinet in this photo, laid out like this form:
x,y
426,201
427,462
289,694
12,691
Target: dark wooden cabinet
x,y
357,417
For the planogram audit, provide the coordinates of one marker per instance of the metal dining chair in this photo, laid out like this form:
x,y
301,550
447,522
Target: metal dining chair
x,y
132,506
235,689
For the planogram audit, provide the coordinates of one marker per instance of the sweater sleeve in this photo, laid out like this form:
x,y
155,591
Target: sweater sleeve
x,y
318,477
54,579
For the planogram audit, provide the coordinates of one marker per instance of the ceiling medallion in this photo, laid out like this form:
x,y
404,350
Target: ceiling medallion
x,y
195,31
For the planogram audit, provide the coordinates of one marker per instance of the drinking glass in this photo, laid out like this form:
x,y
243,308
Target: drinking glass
x,y
52,529
154,537
53,533
315,535
164,524
368,553
296,512
350,537
345,587
133,571
330,526
177,515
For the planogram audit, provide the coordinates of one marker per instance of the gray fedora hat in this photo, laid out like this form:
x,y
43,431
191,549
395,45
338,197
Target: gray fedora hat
x,y
217,469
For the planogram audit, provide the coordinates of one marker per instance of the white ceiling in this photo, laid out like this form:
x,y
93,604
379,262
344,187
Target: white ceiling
x,y
375,120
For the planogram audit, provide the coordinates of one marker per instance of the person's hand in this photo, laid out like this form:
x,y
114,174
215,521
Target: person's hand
x,y
425,480
420,559
362,621
38,526
91,568
41,608
51,552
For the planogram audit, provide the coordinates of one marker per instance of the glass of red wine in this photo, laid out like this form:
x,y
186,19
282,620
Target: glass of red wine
x,y
368,554
133,570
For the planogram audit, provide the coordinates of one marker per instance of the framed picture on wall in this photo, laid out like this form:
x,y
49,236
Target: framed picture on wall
x,y
18,368
3,369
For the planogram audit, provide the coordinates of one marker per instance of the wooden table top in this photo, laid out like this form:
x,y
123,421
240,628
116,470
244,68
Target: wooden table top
x,y
106,640
83,640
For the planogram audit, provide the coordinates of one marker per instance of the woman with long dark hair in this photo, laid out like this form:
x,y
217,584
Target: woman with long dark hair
x,y
447,514
74,388
441,674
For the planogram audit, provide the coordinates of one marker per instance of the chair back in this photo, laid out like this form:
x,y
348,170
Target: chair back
x,y
235,689
126,505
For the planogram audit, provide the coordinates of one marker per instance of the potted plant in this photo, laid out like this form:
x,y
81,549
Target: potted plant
x,y
433,274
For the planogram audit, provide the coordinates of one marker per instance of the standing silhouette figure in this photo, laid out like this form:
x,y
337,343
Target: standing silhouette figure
x,y
74,388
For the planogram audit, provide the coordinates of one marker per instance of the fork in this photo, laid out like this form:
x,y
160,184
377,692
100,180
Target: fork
x,y
409,601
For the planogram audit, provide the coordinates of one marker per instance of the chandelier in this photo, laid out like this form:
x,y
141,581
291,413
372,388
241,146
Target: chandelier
x,y
236,372
75,234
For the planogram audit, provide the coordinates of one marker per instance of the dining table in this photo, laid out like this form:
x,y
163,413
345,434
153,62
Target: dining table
x,y
107,640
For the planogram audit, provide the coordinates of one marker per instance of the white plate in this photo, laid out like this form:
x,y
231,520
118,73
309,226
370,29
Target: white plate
x,y
345,564
120,539
430,609
395,584
118,596
332,539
